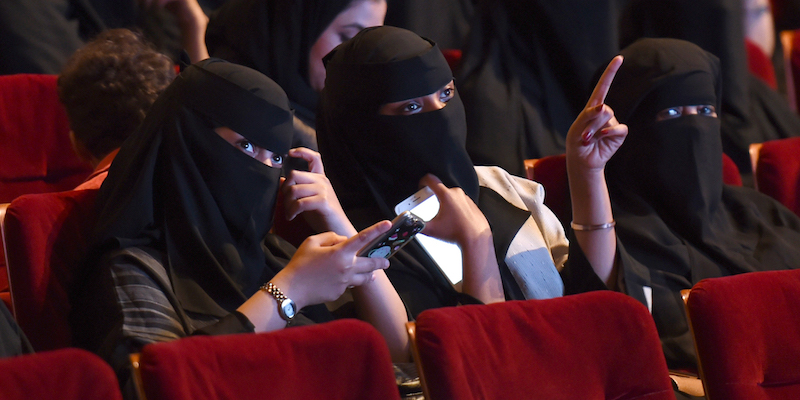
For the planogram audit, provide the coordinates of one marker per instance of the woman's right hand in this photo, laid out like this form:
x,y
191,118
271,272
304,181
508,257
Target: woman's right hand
x,y
326,264
459,219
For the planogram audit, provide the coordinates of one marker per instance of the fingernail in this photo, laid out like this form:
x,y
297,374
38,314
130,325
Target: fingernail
x,y
386,264
604,131
599,107
586,136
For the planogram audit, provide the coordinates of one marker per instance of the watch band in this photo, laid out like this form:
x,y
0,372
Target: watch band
x,y
286,307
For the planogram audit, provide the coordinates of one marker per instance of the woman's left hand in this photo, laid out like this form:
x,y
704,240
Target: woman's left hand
x,y
596,134
311,194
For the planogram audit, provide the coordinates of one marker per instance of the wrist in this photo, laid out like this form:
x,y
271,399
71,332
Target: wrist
x,y
477,242
286,282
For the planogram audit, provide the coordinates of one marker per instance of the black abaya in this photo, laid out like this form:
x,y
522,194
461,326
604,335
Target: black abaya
x,y
676,218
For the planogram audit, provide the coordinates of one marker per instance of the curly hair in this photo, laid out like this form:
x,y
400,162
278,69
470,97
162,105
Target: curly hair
x,y
108,86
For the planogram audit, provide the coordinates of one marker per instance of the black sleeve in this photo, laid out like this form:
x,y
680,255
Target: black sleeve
x,y
577,274
234,322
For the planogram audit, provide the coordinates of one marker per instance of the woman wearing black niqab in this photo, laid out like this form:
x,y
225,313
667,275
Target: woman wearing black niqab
x,y
390,119
676,217
752,112
182,242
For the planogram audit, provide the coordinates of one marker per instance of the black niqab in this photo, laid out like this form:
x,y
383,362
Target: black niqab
x,y
673,213
374,161
751,111
178,187
388,155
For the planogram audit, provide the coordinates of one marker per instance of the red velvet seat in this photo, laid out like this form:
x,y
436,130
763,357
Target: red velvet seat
x,y
747,332
776,167
344,359
551,172
46,237
598,345
36,155
67,374
760,64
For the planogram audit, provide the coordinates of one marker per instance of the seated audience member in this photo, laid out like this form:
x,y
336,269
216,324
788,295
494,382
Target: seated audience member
x,y
107,87
752,112
182,244
391,121
677,219
286,40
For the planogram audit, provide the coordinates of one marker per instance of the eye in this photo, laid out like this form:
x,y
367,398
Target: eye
x,y
669,113
247,147
412,108
447,93
277,160
707,111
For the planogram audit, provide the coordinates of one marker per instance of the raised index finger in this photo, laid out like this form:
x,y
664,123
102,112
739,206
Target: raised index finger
x,y
601,90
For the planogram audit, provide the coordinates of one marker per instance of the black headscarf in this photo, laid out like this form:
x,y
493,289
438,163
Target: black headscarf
x,y
178,187
375,161
751,111
673,213
274,37
526,73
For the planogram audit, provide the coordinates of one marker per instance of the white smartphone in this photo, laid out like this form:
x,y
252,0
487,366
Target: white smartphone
x,y
447,256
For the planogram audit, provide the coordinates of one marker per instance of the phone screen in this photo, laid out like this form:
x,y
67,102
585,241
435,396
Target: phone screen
x,y
447,256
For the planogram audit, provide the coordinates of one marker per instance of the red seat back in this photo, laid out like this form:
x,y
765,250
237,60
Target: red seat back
x,y
67,374
747,331
760,64
36,154
598,345
46,238
777,171
345,359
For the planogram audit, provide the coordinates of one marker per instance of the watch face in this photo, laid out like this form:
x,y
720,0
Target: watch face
x,y
288,308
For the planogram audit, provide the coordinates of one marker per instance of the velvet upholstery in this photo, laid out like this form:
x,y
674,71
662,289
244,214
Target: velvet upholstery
x,y
551,172
36,153
46,240
777,171
747,331
343,359
66,374
760,64
595,345
5,294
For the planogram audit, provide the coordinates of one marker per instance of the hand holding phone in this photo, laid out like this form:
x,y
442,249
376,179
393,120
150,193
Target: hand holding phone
x,y
403,229
447,256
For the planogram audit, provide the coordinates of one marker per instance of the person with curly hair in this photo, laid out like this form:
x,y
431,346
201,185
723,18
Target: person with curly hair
x,y
107,88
